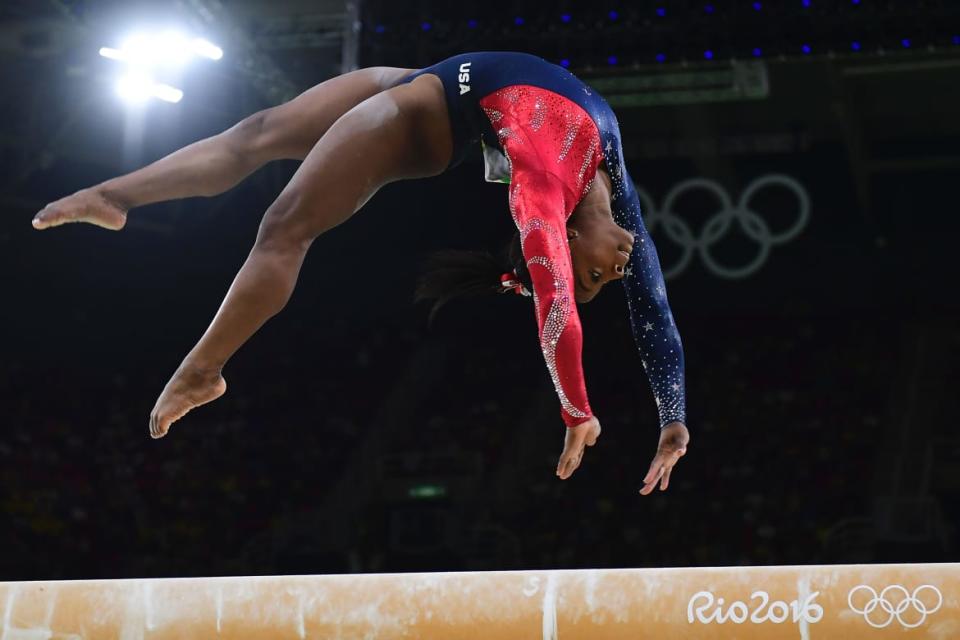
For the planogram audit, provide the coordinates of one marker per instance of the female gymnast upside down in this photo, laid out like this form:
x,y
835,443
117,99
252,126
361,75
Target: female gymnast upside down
x,y
544,131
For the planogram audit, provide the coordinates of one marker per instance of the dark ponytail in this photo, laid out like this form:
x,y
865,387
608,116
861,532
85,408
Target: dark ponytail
x,y
451,274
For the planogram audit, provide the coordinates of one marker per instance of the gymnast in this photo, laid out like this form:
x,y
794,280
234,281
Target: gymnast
x,y
553,139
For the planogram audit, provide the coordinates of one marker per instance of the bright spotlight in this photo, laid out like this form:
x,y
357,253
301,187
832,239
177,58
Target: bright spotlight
x,y
138,87
135,88
144,53
167,48
167,93
113,54
136,50
171,48
207,49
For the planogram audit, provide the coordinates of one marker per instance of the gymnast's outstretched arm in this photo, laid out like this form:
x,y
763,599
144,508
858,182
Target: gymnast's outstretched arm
x,y
536,202
657,338
215,164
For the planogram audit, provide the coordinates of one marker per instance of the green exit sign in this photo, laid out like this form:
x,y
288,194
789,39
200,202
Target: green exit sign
x,y
427,491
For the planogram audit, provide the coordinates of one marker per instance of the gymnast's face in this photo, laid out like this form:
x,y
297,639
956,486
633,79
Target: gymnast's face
x,y
599,247
599,251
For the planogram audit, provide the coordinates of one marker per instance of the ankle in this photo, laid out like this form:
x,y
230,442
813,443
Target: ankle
x,y
113,196
201,369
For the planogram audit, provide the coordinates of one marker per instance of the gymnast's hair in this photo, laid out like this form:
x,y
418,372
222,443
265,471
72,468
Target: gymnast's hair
x,y
452,274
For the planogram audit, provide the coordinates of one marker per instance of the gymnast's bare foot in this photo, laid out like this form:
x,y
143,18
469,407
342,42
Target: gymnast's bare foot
x,y
190,387
86,205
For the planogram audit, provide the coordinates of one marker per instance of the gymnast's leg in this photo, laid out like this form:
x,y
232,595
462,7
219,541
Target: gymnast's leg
x,y
400,133
213,165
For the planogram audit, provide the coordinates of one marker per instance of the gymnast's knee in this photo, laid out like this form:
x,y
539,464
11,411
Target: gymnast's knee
x,y
284,228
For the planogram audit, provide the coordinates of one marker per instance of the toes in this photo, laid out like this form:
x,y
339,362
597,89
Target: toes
x,y
46,218
53,216
99,214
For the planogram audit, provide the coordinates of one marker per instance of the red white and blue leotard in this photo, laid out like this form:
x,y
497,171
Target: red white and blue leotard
x,y
554,131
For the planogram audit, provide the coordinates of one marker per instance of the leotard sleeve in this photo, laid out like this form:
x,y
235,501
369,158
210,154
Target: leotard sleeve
x,y
552,149
537,204
654,330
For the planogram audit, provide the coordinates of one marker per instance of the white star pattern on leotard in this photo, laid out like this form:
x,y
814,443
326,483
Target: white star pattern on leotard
x,y
658,342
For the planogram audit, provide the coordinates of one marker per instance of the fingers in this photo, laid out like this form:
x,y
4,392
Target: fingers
x,y
657,470
159,425
665,480
576,439
569,463
562,467
154,425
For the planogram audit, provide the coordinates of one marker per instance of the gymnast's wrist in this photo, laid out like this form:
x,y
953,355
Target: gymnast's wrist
x,y
572,422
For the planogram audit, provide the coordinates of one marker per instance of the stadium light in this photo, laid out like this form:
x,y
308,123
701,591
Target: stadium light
x,y
113,54
134,88
167,93
142,53
167,48
138,87
206,49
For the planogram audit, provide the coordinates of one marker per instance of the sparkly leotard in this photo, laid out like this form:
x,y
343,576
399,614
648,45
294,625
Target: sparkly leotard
x,y
553,132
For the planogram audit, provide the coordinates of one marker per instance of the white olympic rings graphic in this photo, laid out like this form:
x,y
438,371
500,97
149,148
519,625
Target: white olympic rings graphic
x,y
717,226
895,609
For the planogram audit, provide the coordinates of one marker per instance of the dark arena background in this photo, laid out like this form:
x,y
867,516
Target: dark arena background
x,y
798,163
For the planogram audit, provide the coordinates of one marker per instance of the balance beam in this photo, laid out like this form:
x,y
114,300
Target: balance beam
x,y
806,602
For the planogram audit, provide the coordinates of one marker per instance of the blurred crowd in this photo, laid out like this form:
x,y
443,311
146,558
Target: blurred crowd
x,y
785,432
785,428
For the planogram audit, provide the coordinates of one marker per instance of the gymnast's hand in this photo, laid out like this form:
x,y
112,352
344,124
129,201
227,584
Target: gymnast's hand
x,y
575,442
674,439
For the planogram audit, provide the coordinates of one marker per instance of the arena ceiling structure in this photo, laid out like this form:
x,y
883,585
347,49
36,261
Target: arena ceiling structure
x,y
687,77
705,79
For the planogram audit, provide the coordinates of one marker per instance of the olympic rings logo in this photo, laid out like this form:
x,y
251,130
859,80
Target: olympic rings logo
x,y
752,223
890,609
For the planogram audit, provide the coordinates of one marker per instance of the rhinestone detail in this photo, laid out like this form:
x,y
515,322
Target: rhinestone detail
x,y
493,115
539,115
553,327
573,128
